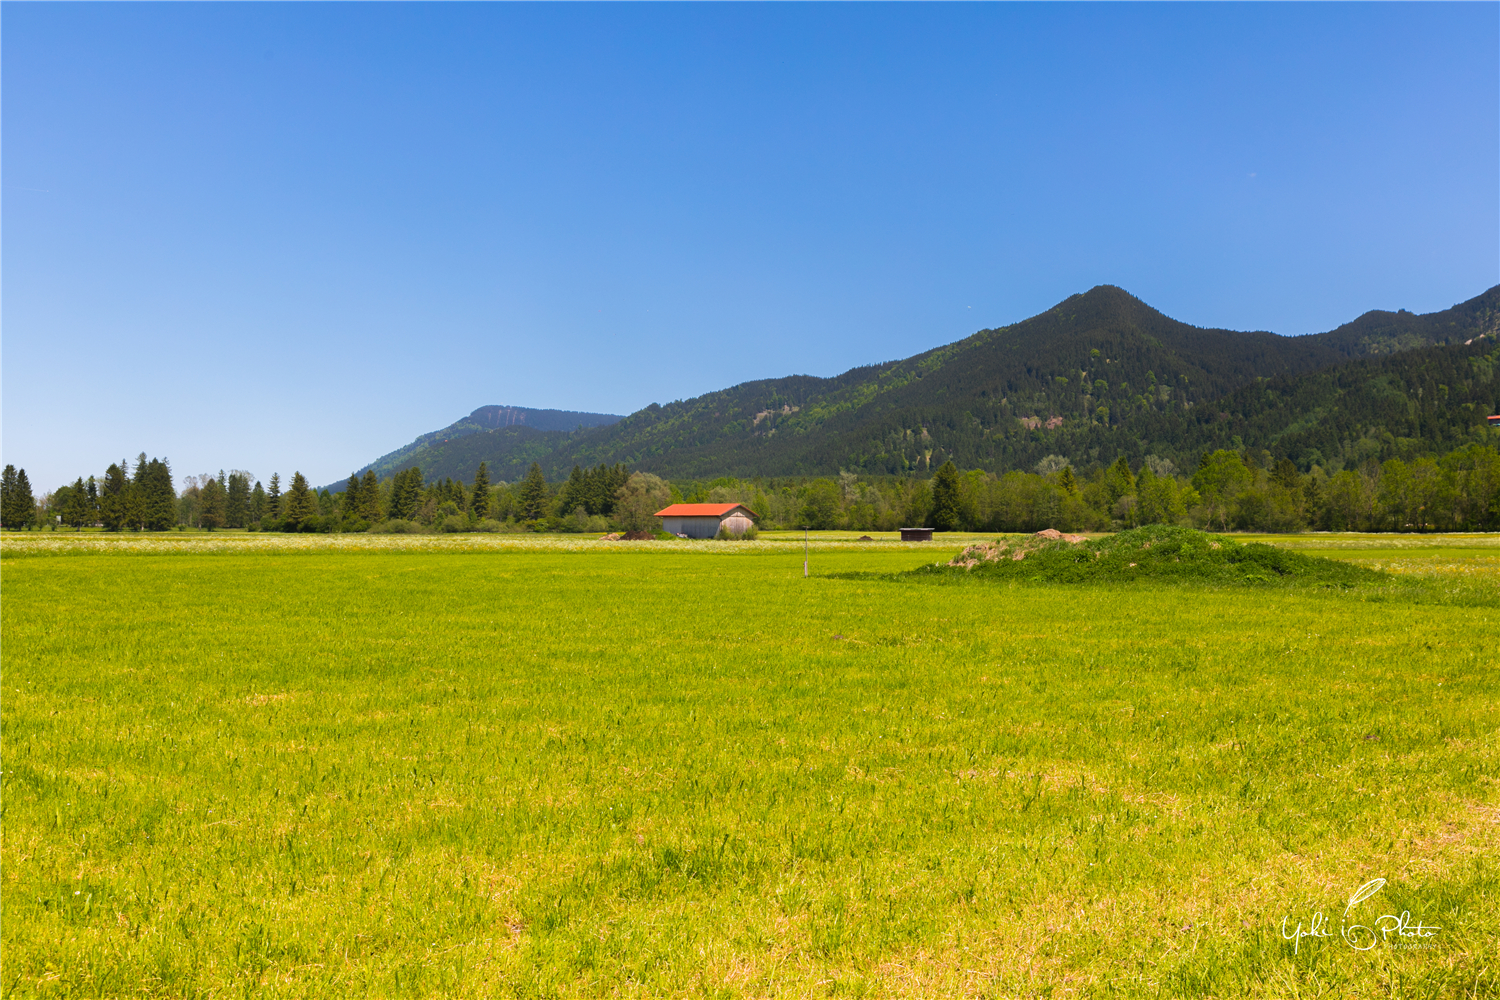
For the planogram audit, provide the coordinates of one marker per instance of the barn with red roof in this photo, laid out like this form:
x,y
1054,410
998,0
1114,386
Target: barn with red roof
x,y
704,520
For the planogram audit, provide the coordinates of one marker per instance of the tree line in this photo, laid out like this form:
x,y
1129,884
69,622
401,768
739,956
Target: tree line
x,y
1228,490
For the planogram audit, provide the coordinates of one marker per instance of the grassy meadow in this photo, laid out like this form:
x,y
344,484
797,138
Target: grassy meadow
x,y
261,766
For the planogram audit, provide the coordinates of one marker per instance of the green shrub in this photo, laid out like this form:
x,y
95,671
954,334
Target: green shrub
x,y
397,526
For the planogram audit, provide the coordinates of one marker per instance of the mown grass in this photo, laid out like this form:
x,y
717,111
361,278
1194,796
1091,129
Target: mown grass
x,y
399,771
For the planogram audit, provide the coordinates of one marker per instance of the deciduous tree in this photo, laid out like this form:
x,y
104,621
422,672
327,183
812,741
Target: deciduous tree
x,y
638,500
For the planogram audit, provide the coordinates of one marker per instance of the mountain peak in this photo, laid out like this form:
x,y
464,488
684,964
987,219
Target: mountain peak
x,y
1099,372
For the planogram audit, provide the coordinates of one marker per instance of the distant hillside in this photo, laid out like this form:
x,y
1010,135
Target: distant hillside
x,y
1099,374
513,419
1432,399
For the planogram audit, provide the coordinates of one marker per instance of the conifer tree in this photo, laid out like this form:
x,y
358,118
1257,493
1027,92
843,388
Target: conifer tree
x,y
257,503
8,518
395,501
369,497
533,494
25,501
17,505
129,500
406,493
574,492
414,493
7,496
1066,482
75,510
211,505
354,496
947,514
479,503
607,488
237,500
158,497
273,498
453,492
299,504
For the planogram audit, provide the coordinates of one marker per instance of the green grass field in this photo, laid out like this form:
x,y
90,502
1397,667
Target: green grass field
x,y
518,766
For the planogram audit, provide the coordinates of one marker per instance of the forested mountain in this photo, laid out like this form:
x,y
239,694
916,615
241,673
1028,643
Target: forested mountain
x,y
1099,375
516,421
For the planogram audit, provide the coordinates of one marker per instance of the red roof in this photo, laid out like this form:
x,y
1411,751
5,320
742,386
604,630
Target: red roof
x,y
702,510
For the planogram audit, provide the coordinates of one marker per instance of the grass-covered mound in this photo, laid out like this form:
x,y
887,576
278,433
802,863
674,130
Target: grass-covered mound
x,y
1157,552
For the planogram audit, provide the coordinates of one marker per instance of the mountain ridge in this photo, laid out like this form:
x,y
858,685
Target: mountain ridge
x,y
490,417
1099,373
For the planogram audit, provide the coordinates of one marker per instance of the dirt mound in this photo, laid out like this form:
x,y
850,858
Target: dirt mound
x,y
1014,549
613,536
637,536
1154,552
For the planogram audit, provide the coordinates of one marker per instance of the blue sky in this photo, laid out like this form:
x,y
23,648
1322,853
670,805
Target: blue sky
x,y
284,236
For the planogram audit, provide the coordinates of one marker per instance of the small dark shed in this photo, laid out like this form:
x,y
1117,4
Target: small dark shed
x,y
916,534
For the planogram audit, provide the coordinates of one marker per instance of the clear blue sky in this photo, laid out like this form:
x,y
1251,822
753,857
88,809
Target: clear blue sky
x,y
285,236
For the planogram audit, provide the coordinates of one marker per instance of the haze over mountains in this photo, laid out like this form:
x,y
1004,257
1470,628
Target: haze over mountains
x,y
1098,375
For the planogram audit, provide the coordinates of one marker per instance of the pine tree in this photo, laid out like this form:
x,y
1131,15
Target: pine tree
x,y
273,498
414,494
76,511
479,504
128,503
574,492
406,493
300,504
354,496
17,505
609,487
8,516
158,499
453,492
211,503
237,500
534,495
947,513
1066,482
257,503
369,497
394,500
25,501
